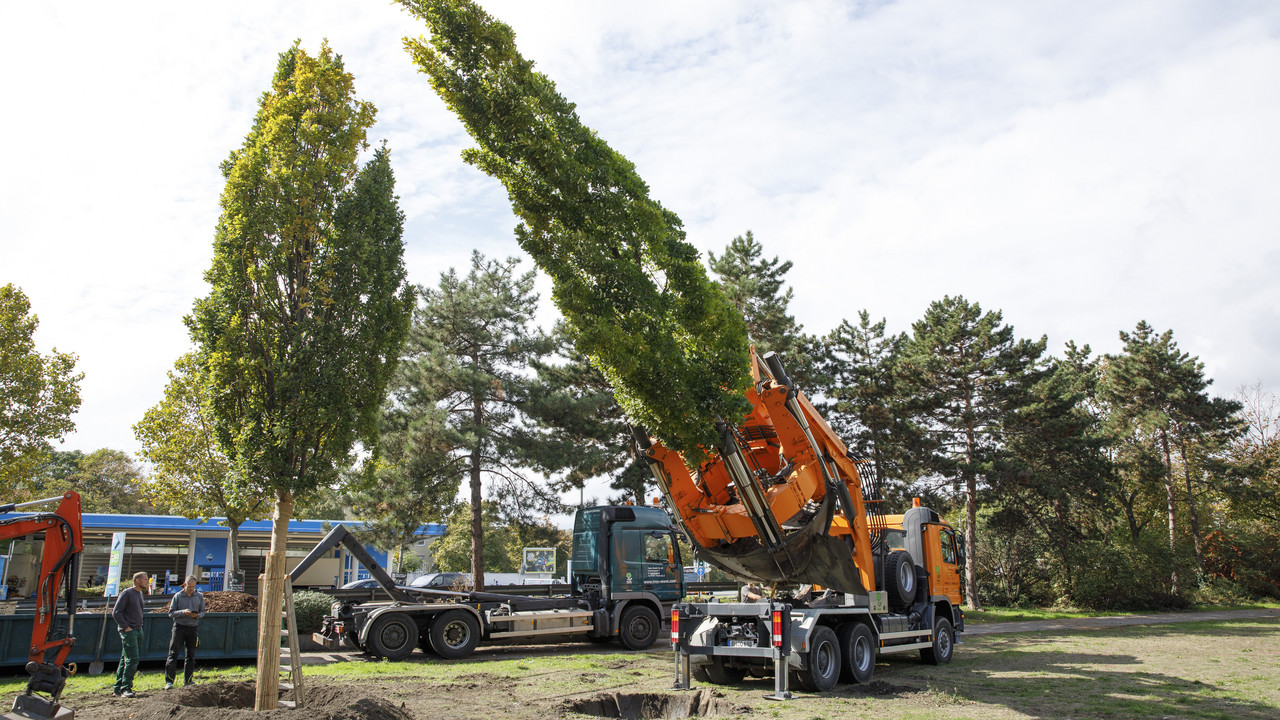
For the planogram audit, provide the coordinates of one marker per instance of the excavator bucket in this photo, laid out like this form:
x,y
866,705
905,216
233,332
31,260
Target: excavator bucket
x,y
808,556
34,707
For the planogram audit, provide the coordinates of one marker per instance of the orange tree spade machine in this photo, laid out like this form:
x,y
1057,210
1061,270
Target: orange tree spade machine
x,y
781,502
60,563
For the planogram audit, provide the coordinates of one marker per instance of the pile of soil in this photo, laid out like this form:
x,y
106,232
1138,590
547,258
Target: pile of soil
x,y
227,601
222,700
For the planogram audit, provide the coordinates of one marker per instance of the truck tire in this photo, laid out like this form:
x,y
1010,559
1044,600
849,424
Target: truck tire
x,y
393,636
638,627
823,660
717,673
900,578
944,644
857,647
455,634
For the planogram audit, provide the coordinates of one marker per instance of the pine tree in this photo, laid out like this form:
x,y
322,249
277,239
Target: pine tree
x,y
469,354
965,371
308,306
755,287
1159,397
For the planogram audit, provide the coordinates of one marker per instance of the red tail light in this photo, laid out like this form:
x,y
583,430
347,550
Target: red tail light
x,y
777,628
675,626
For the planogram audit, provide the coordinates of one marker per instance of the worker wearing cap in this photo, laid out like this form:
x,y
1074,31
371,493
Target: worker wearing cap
x,y
186,609
128,616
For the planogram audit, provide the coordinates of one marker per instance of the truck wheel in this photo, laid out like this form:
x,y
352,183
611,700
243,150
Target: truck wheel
x,y
455,634
944,644
393,636
638,628
900,578
859,651
824,661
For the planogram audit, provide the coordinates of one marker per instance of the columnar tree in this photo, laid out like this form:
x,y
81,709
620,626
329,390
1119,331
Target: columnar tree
x,y
308,307
468,355
966,372
191,475
38,393
634,295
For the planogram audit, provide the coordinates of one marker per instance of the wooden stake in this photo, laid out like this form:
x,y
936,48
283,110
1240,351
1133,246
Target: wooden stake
x,y
271,598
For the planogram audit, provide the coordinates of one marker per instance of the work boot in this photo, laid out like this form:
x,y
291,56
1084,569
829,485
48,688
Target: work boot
x,y
128,693
168,686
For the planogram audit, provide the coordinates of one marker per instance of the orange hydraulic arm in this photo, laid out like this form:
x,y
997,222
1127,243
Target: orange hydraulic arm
x,y
60,562
779,500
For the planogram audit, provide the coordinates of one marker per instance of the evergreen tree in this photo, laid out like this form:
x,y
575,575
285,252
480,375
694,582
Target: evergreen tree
x,y
469,354
308,307
964,372
1159,398
864,402
755,287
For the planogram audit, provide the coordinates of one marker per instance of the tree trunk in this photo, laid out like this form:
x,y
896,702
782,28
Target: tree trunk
x,y
477,509
270,599
971,516
1168,489
1127,500
1191,507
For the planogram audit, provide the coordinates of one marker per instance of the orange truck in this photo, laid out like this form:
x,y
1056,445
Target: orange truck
x,y
781,503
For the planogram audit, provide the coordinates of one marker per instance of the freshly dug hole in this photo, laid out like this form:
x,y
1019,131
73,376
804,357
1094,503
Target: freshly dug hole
x,y
635,706
222,700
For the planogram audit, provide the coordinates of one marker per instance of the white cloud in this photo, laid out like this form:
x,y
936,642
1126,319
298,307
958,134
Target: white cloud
x,y
1080,166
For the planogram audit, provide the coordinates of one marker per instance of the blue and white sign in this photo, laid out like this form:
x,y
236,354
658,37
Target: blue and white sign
x,y
117,560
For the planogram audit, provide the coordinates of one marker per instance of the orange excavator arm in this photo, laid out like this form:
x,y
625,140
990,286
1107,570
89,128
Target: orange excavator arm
x,y
59,565
779,499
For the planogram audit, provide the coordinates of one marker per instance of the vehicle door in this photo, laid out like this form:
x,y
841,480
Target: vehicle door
x,y
650,563
942,562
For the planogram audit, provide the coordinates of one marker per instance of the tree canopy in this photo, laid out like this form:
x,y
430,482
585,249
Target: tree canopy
x,y
38,393
633,292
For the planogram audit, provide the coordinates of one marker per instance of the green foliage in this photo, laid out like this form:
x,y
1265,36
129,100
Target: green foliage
x,y
633,292
1122,576
191,476
504,542
109,481
755,287
309,609
38,393
308,307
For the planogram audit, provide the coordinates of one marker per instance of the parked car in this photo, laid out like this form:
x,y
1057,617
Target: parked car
x,y
444,581
366,584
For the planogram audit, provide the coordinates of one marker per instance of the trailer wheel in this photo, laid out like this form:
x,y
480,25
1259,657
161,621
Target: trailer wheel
x,y
455,634
900,578
824,661
859,650
944,644
393,636
638,628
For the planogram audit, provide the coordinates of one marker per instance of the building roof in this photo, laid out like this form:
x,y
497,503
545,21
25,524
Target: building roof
x,y
111,521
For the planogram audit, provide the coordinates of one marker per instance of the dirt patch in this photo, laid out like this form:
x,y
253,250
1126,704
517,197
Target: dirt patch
x,y
228,601
638,706
223,700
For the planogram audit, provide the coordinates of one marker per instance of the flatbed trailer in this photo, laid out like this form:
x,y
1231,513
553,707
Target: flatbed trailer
x,y
625,574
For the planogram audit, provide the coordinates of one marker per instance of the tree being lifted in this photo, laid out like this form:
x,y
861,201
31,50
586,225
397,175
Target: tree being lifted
x,y
308,307
634,294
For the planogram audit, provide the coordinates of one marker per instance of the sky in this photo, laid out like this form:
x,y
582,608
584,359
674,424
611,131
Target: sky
x,y
1079,166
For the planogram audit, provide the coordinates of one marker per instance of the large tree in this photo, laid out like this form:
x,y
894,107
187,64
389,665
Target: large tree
x,y
38,393
965,372
1158,395
191,476
309,306
757,287
633,292
108,481
469,355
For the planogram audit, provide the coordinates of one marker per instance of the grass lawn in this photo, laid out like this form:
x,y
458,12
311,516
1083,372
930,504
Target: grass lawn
x,y
1228,670
993,614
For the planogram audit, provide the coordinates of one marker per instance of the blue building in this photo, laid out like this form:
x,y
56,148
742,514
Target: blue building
x,y
174,547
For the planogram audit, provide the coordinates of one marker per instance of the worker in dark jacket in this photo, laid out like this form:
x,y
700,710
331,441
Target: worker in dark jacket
x,y
186,609
128,616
